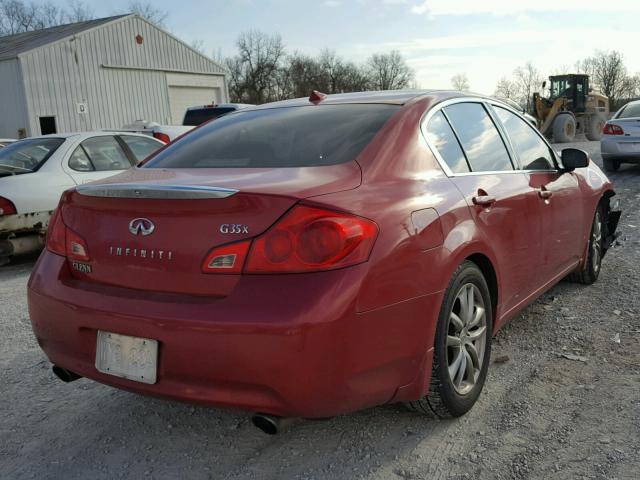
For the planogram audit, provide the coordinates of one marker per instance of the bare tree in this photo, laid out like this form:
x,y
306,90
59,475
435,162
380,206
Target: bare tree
x,y
507,89
342,76
333,68
305,75
353,78
149,11
263,72
198,44
50,15
17,16
609,73
529,79
389,71
255,72
460,82
235,79
78,11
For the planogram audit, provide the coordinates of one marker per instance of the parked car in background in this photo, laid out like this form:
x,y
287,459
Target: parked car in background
x,y
6,141
193,117
318,256
164,133
620,142
196,116
35,171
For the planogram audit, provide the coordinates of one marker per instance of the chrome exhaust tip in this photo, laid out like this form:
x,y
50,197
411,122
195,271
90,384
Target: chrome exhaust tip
x,y
65,375
269,424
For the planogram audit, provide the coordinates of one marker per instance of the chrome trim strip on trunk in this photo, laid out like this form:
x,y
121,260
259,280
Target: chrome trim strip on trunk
x,y
132,190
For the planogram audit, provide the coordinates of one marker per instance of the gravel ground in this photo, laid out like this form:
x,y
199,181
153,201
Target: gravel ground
x,y
540,415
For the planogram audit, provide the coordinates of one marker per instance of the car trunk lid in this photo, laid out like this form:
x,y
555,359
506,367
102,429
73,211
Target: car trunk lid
x,y
151,229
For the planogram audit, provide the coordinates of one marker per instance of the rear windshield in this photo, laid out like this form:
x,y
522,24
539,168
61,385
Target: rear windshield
x,y
27,155
196,117
278,137
631,110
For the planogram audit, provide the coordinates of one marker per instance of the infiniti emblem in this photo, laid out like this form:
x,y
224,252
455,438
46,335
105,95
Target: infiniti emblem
x,y
141,226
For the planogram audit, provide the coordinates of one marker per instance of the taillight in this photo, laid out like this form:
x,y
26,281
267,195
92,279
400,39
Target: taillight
x,y
7,207
163,137
76,247
226,259
612,129
307,239
312,239
63,241
57,234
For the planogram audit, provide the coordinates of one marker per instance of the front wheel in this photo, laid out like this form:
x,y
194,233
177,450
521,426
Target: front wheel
x,y
564,128
462,346
590,271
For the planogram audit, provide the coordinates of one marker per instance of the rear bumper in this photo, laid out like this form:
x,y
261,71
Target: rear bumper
x,y
290,345
620,148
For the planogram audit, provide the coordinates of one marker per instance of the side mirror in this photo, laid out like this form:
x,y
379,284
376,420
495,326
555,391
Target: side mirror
x,y
544,84
573,158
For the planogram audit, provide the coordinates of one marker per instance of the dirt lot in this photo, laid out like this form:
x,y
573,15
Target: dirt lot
x,y
540,415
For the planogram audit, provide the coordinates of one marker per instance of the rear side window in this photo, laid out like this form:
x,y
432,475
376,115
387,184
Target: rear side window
x,y
79,161
101,153
441,136
141,147
278,137
479,137
533,152
198,116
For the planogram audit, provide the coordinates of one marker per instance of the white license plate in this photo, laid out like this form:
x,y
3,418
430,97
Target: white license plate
x,y
127,357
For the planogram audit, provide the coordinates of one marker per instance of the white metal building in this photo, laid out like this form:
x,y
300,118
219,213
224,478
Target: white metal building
x,y
101,74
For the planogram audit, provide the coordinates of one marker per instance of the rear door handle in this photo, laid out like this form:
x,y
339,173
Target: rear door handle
x,y
544,193
484,200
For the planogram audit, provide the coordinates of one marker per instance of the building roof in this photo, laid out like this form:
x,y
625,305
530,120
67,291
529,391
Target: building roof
x,y
13,45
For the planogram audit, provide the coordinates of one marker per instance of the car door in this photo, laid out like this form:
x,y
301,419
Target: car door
x,y
558,196
499,197
97,158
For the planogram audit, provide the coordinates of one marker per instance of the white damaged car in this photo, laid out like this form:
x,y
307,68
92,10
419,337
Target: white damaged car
x,y
34,172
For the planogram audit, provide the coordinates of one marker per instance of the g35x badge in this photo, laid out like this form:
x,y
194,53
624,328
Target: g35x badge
x,y
233,228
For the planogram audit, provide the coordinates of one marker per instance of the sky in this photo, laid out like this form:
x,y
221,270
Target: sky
x,y
484,39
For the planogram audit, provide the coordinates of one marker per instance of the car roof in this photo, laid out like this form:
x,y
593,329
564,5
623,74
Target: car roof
x,y
391,97
84,135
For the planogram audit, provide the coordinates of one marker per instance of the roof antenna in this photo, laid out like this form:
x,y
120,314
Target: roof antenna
x,y
316,97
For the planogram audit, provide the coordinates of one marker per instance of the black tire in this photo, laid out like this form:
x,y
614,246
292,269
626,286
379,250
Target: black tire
x,y
590,271
446,400
564,128
611,165
595,124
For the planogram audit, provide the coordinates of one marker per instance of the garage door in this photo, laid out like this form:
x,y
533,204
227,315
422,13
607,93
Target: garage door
x,y
180,98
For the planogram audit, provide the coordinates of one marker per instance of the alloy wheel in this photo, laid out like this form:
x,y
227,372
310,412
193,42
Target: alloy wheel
x,y
466,338
596,242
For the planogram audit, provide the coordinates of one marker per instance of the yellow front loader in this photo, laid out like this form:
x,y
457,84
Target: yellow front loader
x,y
572,108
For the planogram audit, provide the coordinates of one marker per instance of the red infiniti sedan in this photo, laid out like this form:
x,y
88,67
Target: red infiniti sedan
x,y
318,256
